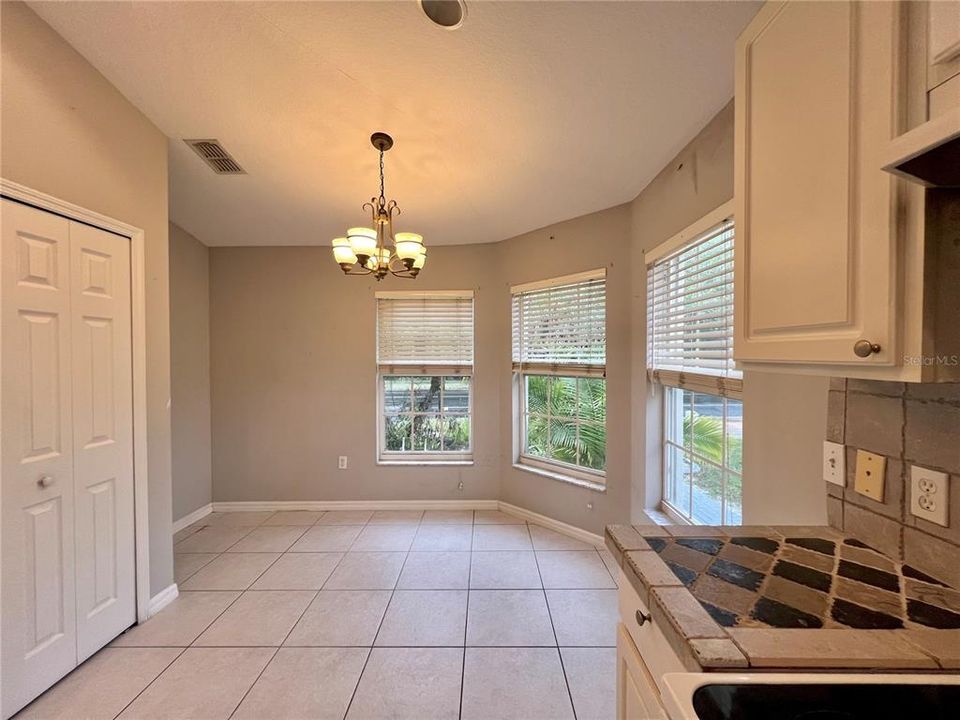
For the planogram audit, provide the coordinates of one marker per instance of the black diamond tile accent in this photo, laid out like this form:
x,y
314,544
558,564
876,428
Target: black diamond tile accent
x,y
704,545
763,544
737,574
656,543
912,572
779,615
724,618
856,543
869,575
685,575
857,616
932,616
825,547
803,575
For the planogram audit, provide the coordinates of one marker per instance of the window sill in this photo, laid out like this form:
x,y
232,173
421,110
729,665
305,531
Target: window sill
x,y
427,463
579,482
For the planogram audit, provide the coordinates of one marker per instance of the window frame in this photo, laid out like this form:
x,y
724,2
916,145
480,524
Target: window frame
x,y
549,465
556,469
727,385
411,369
422,457
666,443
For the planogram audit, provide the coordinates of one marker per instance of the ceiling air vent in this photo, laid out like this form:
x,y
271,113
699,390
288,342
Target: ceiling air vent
x,y
216,157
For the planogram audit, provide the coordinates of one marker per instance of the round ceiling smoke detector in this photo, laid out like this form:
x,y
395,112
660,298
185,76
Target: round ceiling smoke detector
x,y
448,14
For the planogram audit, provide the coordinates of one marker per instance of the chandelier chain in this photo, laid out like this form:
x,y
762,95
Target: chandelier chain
x,y
383,199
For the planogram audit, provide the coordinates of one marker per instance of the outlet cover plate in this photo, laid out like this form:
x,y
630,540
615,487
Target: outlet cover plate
x,y
868,480
929,495
834,463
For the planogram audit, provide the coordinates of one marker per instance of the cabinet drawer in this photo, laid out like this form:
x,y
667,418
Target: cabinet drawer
x,y
649,639
638,697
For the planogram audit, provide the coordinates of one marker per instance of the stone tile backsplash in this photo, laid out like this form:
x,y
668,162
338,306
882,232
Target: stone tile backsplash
x,y
910,424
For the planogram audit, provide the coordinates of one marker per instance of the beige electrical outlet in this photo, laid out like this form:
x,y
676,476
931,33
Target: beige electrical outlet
x,y
870,473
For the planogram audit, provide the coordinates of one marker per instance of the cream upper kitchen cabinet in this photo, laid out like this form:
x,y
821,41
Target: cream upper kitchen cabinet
x,y
834,257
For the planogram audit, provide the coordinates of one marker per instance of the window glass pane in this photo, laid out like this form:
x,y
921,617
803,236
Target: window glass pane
x,y
396,394
397,433
592,399
735,435
427,431
734,500
456,394
563,440
707,493
536,440
677,479
426,394
563,396
593,446
705,427
536,394
456,433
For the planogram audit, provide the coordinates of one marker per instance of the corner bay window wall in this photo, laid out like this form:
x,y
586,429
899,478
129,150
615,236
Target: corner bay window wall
x,y
690,355
425,372
559,362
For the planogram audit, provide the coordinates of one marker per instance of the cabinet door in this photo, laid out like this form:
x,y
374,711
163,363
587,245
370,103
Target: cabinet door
x,y
815,250
637,694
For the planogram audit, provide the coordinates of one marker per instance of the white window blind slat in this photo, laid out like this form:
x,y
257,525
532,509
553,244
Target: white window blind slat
x,y
690,312
561,327
425,331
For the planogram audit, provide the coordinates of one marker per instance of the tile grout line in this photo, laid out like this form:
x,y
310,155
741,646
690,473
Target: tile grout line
x,y
466,615
553,627
146,687
373,643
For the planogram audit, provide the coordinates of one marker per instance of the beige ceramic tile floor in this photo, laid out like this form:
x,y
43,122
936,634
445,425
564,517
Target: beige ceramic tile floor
x,y
359,614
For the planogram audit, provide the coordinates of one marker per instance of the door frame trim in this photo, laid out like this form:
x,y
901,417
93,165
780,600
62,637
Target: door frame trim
x,y
138,318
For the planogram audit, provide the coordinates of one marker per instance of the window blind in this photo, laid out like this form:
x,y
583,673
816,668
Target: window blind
x,y
690,315
560,326
424,331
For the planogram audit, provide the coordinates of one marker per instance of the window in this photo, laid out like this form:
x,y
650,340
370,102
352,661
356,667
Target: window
x,y
425,373
559,358
690,354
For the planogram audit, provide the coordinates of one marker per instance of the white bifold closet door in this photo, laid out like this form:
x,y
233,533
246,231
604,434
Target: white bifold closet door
x,y
68,570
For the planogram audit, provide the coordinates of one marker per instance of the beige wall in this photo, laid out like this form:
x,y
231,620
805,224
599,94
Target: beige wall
x,y
293,373
190,372
294,377
67,132
597,240
783,414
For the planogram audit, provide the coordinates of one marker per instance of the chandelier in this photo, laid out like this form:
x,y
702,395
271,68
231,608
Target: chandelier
x,y
377,250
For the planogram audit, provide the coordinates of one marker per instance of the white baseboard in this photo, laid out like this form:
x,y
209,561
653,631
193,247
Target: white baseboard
x,y
190,519
163,598
250,505
549,522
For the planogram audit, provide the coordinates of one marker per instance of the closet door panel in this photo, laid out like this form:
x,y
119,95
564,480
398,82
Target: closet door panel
x,y
102,435
38,590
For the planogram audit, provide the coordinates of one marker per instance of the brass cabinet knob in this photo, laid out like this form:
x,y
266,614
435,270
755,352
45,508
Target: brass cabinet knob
x,y
641,618
865,348
45,481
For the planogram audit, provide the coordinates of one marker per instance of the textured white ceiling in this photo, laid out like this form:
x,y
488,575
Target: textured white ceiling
x,y
531,113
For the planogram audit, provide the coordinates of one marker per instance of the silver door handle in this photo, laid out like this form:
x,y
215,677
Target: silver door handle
x,y
45,481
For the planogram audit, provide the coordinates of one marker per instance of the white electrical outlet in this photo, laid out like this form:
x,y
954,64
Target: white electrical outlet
x,y
342,462
834,463
929,495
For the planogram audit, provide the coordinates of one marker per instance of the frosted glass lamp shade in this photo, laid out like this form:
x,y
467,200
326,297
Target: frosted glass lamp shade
x,y
362,240
342,252
421,259
409,245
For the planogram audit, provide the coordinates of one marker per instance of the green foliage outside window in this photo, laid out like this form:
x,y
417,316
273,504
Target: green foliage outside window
x,y
566,420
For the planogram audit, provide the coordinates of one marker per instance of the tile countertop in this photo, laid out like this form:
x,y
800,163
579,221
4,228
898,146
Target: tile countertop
x,y
787,597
